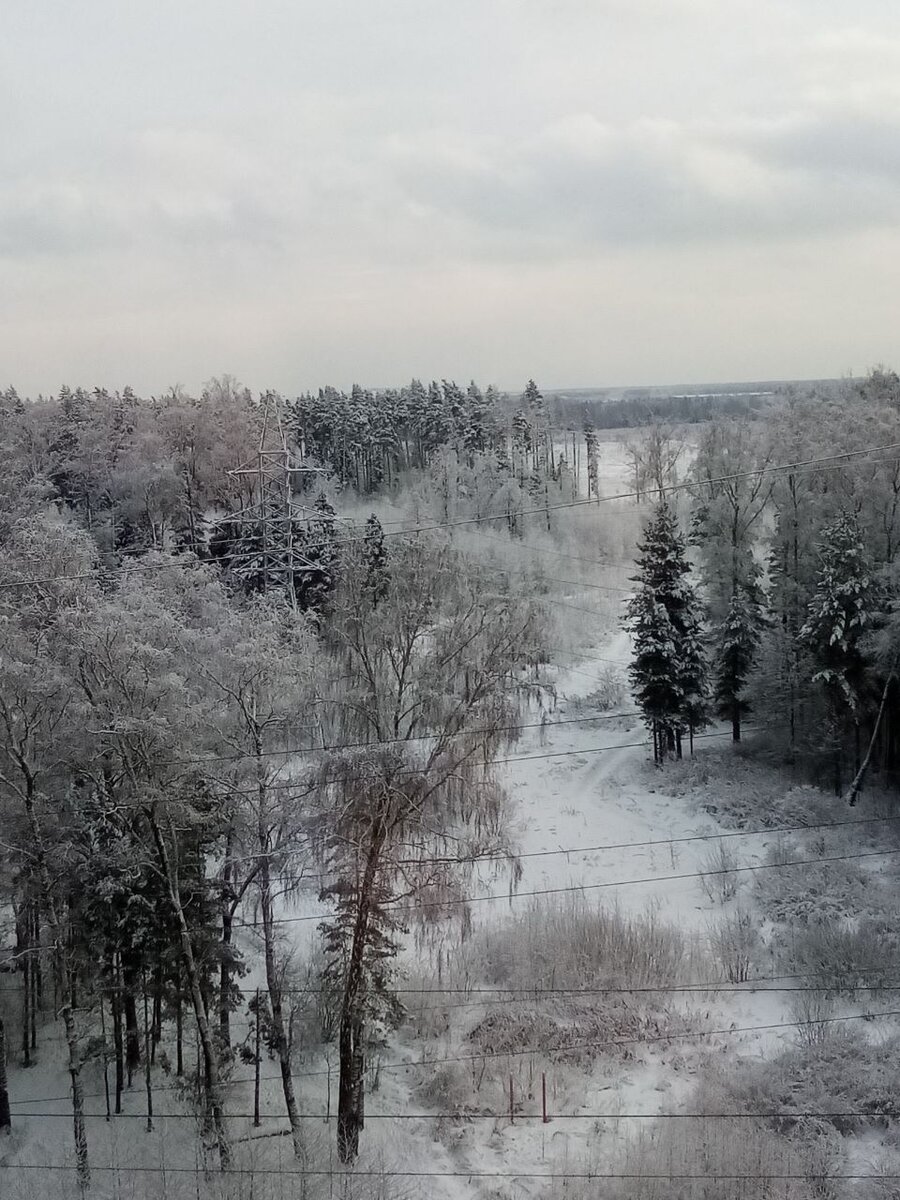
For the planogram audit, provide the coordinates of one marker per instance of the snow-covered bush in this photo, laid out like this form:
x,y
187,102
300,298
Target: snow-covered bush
x,y
722,881
813,894
611,692
841,955
735,942
449,1090
811,1008
844,1071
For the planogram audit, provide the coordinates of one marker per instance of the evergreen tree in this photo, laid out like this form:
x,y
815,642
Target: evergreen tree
x,y
375,556
593,460
840,612
668,673
315,577
736,648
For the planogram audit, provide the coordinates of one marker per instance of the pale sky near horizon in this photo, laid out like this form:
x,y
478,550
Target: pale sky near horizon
x,y
589,192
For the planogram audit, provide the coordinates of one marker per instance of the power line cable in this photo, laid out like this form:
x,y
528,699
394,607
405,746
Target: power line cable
x,y
390,1173
805,464
465,1116
538,1051
590,887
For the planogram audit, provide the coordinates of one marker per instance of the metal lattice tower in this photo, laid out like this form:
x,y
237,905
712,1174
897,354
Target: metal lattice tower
x,y
274,511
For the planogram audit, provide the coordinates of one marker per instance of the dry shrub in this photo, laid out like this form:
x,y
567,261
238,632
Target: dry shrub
x,y
608,1026
570,943
611,692
814,893
842,955
740,1159
722,881
839,1072
449,1090
812,1008
735,944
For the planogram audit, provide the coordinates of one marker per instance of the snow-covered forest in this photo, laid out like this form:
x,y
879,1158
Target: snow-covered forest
x,y
441,792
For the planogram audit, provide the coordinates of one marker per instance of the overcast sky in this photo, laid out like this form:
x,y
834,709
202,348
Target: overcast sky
x,y
590,192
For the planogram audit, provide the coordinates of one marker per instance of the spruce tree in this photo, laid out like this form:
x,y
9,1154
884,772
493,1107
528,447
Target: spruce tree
x,y
737,644
375,556
314,580
839,613
668,673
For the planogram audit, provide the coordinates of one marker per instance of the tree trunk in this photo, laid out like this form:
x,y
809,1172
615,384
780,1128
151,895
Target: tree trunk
x,y
273,984
735,722
352,1027
225,970
856,785
226,901
27,994
118,1041
60,953
148,1080
82,1166
105,1054
210,1061
132,1032
5,1118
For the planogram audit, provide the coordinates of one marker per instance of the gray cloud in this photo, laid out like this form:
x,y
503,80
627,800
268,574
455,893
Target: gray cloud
x,y
581,183
349,190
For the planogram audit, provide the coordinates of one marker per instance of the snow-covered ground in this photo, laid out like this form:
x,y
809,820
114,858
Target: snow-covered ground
x,y
593,823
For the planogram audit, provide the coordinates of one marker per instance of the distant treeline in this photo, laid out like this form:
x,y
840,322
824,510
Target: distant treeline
x,y
632,412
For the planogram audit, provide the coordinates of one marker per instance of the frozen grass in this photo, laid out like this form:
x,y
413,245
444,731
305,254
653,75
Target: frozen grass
x,y
841,955
557,959
264,1169
571,943
839,1070
723,1150
816,893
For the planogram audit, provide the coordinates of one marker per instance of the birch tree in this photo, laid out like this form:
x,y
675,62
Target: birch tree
x,y
430,672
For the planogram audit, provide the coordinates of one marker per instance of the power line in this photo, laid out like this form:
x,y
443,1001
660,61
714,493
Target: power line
x,y
537,992
361,777
390,1173
537,1051
804,464
331,748
767,470
523,1051
590,887
610,1044
465,1116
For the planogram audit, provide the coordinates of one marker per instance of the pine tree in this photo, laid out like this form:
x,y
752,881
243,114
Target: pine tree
x,y
668,673
315,577
736,649
375,556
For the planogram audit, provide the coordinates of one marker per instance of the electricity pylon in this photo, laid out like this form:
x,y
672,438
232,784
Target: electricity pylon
x,y
274,511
